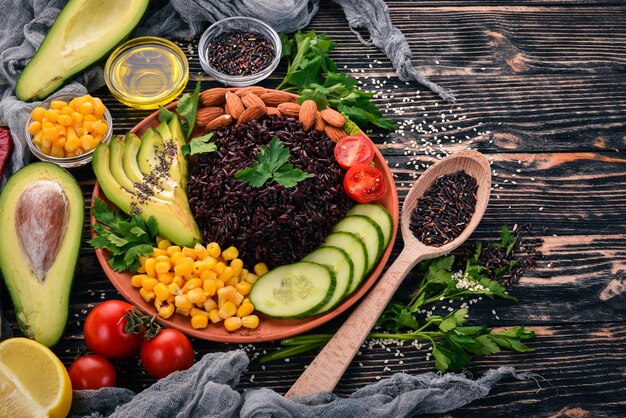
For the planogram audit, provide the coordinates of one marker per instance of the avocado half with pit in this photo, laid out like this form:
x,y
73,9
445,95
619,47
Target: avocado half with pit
x,y
83,33
145,176
41,225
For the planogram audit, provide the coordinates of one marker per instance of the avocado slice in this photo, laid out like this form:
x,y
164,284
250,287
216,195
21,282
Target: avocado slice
x,y
151,160
83,33
177,134
174,216
41,225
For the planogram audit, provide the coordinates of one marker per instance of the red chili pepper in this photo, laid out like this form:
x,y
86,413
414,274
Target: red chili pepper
x,y
6,146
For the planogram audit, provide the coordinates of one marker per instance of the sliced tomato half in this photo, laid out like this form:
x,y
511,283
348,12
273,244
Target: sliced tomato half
x,y
354,149
364,183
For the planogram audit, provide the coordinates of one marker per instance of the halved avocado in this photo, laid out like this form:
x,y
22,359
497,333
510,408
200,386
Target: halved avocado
x,y
83,33
174,217
41,224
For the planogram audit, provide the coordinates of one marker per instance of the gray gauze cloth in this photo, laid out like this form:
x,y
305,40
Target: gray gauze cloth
x,y
25,24
208,390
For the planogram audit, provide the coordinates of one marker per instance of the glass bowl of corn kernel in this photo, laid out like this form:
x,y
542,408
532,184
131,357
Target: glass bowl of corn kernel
x,y
65,130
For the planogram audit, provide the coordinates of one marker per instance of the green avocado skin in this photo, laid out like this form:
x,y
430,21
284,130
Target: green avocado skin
x,y
40,296
73,43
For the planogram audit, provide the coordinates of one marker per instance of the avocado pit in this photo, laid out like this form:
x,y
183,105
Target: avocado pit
x,y
42,213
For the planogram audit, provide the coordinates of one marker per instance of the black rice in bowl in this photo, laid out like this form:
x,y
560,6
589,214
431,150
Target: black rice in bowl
x,y
272,223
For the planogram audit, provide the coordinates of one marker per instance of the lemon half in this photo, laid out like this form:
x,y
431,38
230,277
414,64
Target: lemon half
x,y
33,381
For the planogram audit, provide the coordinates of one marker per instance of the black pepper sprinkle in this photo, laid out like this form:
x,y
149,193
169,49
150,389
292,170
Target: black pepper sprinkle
x,y
240,53
445,210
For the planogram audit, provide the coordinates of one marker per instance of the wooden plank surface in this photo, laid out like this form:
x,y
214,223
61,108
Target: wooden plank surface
x,y
540,89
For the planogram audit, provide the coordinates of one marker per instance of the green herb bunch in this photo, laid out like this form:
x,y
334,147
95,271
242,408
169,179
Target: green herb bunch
x,y
312,74
453,341
126,238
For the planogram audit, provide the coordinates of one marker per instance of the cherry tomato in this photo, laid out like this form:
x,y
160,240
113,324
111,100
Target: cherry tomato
x,y
92,372
364,183
104,331
168,352
354,149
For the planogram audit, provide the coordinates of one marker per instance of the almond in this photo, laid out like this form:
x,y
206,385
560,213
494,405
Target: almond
x,y
251,100
335,133
319,124
252,89
213,97
289,109
219,122
251,113
273,111
308,110
332,117
275,97
234,106
207,114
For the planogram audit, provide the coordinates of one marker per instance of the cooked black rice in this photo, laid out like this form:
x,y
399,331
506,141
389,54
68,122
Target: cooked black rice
x,y
271,224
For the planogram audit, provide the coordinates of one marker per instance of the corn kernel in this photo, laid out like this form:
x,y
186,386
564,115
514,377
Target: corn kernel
x,y
165,278
237,265
245,309
210,287
173,289
147,295
214,316
220,267
251,278
243,288
214,249
198,311
226,293
66,110
196,295
230,253
243,273
100,127
232,323
191,253
184,260
192,284
182,302
208,274
227,310
179,281
50,134
164,244
34,127
157,252
65,120
201,251
232,281
209,305
210,262
148,282
250,321
57,151
199,321
52,115
38,113
98,107
135,281
219,283
161,292
173,249
85,108
260,269
238,299
177,256
227,274
162,266
183,270
166,311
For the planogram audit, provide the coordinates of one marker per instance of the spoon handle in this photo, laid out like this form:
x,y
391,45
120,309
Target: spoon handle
x,y
324,372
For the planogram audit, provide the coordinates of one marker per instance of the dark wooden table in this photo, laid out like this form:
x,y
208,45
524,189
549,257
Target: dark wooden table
x,y
541,89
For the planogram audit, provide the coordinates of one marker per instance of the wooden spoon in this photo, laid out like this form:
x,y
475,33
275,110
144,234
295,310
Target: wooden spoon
x,y
324,372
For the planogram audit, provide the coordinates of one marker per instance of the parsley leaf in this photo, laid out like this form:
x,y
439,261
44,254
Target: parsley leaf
x,y
187,108
272,165
125,238
199,145
313,75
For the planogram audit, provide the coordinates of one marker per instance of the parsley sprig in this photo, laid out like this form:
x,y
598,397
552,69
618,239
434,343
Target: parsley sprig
x,y
453,341
312,74
126,238
272,165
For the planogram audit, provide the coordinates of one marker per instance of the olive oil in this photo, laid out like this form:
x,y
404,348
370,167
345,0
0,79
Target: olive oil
x,y
146,73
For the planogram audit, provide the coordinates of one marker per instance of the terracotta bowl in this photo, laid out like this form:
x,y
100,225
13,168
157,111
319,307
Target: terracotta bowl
x,y
270,329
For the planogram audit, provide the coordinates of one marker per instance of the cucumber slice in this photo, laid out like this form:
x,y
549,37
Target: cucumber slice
x,y
357,252
368,231
293,290
339,262
378,214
